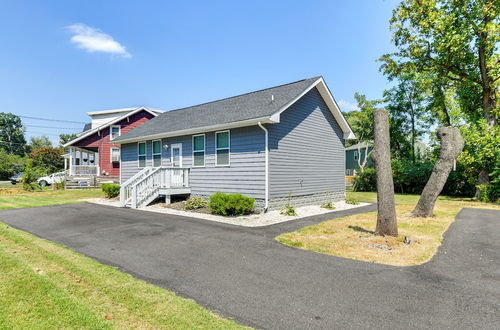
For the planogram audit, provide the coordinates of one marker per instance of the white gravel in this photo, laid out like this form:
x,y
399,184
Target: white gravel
x,y
254,220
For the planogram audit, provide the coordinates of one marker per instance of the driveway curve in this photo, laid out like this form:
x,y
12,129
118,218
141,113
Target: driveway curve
x,y
243,273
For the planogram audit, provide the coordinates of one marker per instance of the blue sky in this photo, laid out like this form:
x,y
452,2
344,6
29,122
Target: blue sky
x,y
60,59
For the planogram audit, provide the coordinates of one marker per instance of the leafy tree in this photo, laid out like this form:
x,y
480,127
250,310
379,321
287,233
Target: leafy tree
x,y
65,138
409,115
47,159
455,43
10,164
12,134
39,142
30,177
361,121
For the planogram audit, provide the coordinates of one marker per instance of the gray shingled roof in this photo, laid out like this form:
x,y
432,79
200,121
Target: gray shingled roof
x,y
252,105
362,145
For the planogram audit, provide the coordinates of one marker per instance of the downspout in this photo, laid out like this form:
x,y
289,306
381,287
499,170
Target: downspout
x,y
266,205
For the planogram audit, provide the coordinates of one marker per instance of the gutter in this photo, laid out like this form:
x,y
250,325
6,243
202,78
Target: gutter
x,y
266,206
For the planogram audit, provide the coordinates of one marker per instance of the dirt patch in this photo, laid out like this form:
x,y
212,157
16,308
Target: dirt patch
x,y
181,206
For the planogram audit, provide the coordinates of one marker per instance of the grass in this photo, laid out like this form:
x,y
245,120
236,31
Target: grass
x,y
13,198
352,237
44,285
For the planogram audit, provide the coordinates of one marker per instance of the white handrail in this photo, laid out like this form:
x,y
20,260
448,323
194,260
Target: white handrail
x,y
145,187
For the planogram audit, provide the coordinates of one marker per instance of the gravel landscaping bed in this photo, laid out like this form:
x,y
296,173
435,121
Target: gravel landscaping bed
x,y
252,220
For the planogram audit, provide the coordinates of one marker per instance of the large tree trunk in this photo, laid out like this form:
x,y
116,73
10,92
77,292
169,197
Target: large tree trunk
x,y
451,146
386,215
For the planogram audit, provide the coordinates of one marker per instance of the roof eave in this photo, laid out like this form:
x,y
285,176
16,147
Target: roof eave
x,y
243,123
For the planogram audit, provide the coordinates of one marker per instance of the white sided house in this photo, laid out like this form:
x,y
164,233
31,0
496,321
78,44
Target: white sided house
x,y
279,144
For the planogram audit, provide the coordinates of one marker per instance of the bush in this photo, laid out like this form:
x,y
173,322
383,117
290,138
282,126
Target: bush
x,y
365,181
195,203
489,193
48,159
10,164
329,206
111,190
230,204
288,210
351,201
30,177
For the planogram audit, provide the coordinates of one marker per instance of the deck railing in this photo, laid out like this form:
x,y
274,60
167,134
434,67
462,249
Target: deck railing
x,y
84,170
145,185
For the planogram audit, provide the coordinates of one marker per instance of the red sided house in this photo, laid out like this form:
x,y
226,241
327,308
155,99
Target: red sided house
x,y
93,153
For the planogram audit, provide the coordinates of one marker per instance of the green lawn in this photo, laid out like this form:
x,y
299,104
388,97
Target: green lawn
x,y
14,198
352,237
44,285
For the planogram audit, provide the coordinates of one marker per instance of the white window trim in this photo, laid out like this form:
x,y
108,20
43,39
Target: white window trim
x,y
145,154
204,150
111,138
172,146
111,155
155,154
228,148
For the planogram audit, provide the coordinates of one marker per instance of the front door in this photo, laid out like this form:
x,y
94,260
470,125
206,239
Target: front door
x,y
176,161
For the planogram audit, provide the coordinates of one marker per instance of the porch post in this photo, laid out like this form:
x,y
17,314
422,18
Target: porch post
x,y
96,163
71,161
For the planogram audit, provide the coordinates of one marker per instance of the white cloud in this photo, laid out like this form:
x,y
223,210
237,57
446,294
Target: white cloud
x,y
93,40
347,106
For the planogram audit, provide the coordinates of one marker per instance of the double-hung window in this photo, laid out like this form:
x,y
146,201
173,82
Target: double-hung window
x,y
141,152
222,146
199,150
157,153
355,155
115,131
115,155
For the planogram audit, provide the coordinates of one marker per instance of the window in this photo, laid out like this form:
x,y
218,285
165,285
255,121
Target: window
x,y
115,131
222,143
157,153
141,152
199,150
355,155
115,155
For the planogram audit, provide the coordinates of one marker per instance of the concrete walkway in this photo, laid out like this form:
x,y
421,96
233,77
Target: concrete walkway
x,y
243,273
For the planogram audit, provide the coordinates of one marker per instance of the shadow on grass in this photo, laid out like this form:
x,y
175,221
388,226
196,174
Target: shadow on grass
x,y
361,229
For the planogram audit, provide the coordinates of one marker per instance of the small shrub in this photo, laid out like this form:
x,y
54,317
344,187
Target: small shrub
x,y
365,181
195,203
30,177
352,201
230,204
59,186
111,190
329,206
288,210
489,193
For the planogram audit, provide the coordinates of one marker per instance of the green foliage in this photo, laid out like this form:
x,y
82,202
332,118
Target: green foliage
x,y
365,181
12,134
231,204
329,206
490,193
30,177
361,121
288,210
352,201
453,46
48,159
39,142
110,190
59,185
10,164
65,138
195,203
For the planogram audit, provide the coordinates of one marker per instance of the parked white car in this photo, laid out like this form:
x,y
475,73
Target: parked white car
x,y
51,179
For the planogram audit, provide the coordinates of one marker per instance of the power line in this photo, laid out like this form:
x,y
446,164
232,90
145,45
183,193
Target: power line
x,y
56,120
52,127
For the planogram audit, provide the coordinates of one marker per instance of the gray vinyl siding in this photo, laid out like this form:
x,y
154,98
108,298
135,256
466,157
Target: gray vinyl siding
x,y
306,150
245,174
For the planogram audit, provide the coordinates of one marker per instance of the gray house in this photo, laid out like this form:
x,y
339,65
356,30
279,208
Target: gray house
x,y
268,144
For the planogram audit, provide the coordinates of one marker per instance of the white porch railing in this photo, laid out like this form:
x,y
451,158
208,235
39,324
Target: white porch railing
x,y
84,170
144,187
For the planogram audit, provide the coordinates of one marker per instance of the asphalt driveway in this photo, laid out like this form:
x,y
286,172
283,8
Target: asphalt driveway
x,y
243,273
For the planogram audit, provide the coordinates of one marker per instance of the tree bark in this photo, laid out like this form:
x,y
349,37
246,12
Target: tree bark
x,y
386,215
451,146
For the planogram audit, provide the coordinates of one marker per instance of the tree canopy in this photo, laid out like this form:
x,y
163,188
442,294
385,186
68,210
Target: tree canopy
x,y
12,134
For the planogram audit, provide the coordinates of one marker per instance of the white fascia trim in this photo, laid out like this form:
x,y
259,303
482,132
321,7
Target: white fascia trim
x,y
330,102
97,129
220,127
104,112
